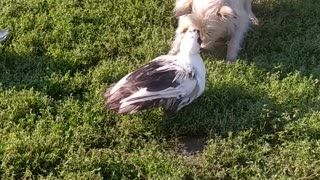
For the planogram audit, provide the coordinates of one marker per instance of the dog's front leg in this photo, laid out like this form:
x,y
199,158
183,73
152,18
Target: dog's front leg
x,y
235,41
183,26
184,23
175,45
248,7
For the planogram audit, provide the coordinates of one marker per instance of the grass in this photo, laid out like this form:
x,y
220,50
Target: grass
x,y
260,117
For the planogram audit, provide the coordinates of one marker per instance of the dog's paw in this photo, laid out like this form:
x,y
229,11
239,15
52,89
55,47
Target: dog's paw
x,y
255,21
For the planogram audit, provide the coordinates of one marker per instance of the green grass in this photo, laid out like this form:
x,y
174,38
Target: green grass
x,y
260,117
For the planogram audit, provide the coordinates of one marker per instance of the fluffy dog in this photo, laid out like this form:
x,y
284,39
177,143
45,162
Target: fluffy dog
x,y
216,19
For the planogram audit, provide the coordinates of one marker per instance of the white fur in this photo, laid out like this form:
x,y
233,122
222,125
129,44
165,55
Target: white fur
x,y
216,19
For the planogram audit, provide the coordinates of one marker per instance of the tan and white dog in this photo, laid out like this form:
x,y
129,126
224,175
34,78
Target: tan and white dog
x,y
215,19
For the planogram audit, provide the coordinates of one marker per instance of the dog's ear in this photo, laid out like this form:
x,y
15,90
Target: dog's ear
x,y
226,12
182,7
181,11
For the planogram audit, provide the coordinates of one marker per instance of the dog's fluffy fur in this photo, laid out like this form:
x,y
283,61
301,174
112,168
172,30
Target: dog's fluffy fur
x,y
216,19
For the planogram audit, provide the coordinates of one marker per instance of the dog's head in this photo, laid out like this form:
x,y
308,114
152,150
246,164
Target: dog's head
x,y
211,22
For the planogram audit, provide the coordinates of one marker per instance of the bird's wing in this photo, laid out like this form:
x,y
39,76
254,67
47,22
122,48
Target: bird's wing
x,y
164,80
171,97
149,75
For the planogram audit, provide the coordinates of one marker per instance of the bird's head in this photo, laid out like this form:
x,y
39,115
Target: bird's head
x,y
191,42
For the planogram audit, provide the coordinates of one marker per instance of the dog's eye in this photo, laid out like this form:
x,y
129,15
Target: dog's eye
x,y
185,30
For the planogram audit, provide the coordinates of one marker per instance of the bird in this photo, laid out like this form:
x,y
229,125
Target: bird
x,y
168,81
3,34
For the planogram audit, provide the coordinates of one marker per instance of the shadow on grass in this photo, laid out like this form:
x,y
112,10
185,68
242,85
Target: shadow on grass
x,y
221,110
287,39
42,73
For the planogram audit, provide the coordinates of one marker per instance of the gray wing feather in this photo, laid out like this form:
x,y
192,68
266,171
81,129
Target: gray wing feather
x,y
3,34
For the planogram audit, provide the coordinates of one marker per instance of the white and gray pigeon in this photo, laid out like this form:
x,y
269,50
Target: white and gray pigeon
x,y
3,34
170,81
